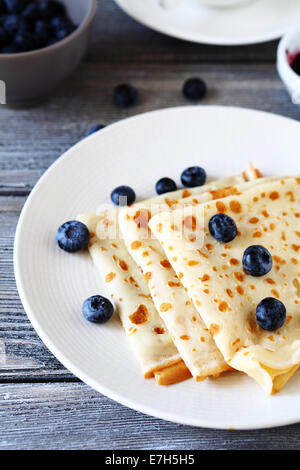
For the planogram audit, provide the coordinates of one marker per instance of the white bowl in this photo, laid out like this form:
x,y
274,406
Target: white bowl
x,y
212,3
289,45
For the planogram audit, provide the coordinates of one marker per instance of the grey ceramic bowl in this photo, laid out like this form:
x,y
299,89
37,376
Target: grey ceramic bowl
x,y
29,76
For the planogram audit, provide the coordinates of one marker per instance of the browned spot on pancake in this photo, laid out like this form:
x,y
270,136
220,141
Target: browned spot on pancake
x,y
171,203
123,265
223,306
253,220
239,276
165,263
257,235
142,218
190,222
195,201
198,303
194,318
283,237
145,296
215,269
270,281
291,196
192,262
297,233
235,206
255,199
92,234
191,237
279,260
140,316
236,342
220,206
206,291
274,195
174,259
109,277
159,331
265,214
186,193
133,282
135,245
224,192
148,276
294,260
288,319
145,254
185,337
107,222
209,247
180,275
174,284
272,226
204,278
214,329
296,247
202,339
159,228
131,331
224,255
234,262
202,254
102,248
230,293
252,287
164,307
239,290
115,258
297,214
275,293
271,338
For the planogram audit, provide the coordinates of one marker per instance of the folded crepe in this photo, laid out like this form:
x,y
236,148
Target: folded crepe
x,y
224,294
147,333
188,331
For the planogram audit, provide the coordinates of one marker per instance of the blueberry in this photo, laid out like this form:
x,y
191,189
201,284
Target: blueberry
x,y
58,22
9,49
222,228
62,33
97,309
257,260
50,8
25,42
193,176
165,185
194,89
3,8
31,12
14,24
123,192
15,6
52,40
41,30
125,95
95,128
72,236
270,314
4,37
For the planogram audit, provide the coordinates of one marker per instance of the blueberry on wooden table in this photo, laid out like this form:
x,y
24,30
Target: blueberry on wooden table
x,y
97,309
193,176
270,314
165,185
122,196
72,236
95,128
222,228
125,95
194,89
257,260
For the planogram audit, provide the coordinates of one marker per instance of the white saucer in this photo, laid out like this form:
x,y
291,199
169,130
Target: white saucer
x,y
253,22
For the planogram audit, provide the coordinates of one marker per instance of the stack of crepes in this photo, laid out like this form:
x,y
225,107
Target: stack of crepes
x,y
184,300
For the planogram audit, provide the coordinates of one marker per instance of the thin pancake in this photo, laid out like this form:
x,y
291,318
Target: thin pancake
x,y
267,215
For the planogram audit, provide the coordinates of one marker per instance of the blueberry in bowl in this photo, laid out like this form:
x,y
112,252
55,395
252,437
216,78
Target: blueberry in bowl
x,y
41,43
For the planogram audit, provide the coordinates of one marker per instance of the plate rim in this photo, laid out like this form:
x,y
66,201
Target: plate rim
x,y
214,41
46,339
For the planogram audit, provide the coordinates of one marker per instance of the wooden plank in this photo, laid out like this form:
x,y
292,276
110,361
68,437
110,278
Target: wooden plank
x,y
119,39
73,416
30,140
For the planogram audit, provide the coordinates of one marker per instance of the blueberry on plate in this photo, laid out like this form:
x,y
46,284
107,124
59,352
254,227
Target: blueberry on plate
x,y
194,89
31,11
222,228
125,95
97,309
257,260
270,314
123,196
95,128
72,236
15,6
50,8
165,185
193,176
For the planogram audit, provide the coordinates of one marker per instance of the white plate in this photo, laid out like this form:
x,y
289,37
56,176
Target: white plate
x,y
253,22
53,284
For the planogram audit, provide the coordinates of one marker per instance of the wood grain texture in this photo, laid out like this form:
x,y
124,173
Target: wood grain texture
x,y
42,405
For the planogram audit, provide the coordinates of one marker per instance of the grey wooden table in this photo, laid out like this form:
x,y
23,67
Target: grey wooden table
x,y
42,405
